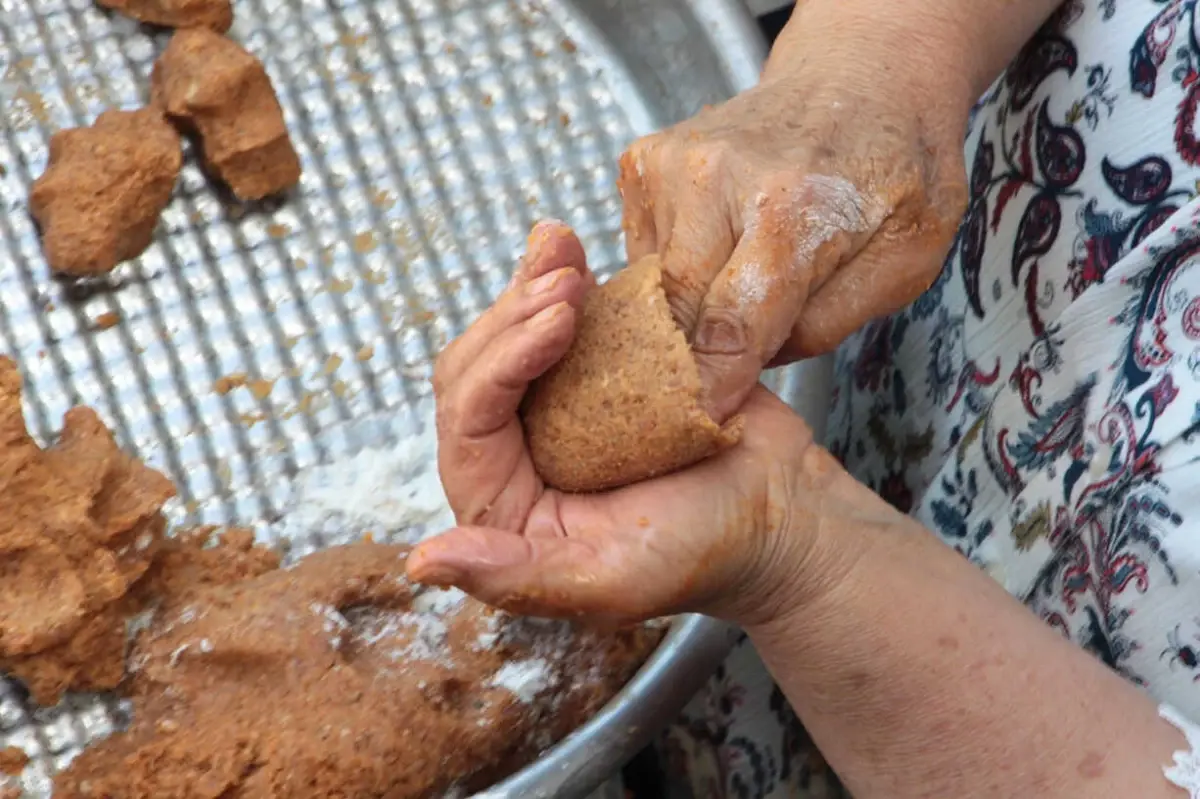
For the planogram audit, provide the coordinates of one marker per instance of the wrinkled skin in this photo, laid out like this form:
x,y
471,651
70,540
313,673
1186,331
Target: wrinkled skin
x,y
786,218
791,215
722,537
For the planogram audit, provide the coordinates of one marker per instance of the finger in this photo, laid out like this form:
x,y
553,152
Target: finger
x,y
795,238
490,390
637,216
701,243
554,270
546,576
482,459
888,274
551,244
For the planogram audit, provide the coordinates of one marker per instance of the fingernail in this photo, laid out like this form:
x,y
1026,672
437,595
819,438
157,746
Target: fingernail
x,y
720,333
547,317
546,283
535,244
422,572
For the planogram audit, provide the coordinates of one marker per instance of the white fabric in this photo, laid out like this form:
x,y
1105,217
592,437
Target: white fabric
x,y
1185,771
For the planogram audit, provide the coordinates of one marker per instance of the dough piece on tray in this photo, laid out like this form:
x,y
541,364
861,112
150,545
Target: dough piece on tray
x,y
625,403
208,84
334,678
215,15
81,523
103,190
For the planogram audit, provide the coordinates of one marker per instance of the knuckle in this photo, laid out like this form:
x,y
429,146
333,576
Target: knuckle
x,y
706,164
713,153
446,415
642,156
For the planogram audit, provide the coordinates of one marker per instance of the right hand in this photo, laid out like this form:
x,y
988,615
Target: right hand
x,y
801,209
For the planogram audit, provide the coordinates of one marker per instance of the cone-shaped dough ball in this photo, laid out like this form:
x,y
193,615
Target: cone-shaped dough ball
x,y
625,403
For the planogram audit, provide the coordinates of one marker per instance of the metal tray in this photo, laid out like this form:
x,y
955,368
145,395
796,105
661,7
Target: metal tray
x,y
252,345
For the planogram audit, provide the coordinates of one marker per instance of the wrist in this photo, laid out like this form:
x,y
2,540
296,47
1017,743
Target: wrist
x,y
940,49
825,524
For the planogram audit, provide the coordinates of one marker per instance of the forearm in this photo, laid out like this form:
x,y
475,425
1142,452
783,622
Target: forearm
x,y
920,677
953,46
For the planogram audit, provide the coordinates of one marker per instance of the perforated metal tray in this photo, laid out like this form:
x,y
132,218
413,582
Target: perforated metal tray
x,y
250,343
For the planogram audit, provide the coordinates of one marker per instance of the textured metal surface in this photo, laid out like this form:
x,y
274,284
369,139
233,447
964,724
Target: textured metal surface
x,y
249,343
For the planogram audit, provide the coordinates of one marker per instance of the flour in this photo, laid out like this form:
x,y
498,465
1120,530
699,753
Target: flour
x,y
752,284
816,211
394,493
419,636
523,678
489,635
333,623
138,623
428,638
438,601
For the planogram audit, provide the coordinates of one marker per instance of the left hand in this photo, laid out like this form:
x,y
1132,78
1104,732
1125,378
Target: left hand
x,y
714,538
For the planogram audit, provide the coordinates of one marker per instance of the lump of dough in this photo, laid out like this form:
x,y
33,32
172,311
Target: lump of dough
x,y
625,404
81,522
103,190
215,15
207,82
336,679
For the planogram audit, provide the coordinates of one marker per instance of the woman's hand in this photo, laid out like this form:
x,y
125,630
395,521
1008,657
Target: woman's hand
x,y
724,537
801,209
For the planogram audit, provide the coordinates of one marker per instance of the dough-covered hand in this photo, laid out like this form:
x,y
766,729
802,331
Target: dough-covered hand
x,y
713,537
796,212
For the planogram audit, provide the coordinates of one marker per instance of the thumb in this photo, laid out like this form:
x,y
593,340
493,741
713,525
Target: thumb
x,y
548,577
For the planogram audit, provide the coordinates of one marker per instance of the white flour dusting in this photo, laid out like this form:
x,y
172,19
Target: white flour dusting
x,y
753,284
139,622
394,491
333,623
489,635
525,679
425,633
438,601
428,640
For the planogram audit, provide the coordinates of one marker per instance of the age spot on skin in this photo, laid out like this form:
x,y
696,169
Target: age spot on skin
x,y
947,642
1092,766
858,680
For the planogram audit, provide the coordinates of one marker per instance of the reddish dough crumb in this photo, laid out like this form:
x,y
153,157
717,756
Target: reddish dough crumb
x,y
103,190
216,15
13,761
209,84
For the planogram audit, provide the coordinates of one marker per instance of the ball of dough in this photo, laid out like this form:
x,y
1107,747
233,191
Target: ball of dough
x,y
625,403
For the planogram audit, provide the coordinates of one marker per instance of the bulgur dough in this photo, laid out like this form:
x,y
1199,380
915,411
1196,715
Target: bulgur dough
x,y
215,15
338,678
626,402
82,523
209,84
103,190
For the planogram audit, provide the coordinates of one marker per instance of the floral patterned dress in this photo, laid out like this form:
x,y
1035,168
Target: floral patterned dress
x,y
1039,407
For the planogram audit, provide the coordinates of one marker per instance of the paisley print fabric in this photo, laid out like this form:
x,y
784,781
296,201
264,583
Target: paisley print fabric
x,y
1039,407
